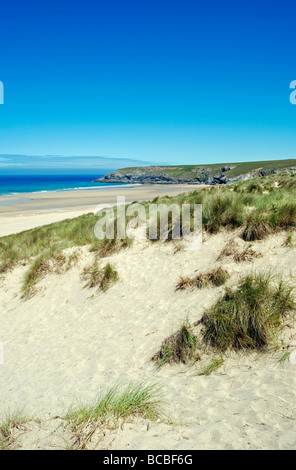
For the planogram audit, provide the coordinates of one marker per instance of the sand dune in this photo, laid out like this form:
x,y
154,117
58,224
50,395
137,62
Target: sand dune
x,y
67,342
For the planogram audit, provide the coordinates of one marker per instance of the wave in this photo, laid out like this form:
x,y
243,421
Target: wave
x,y
80,188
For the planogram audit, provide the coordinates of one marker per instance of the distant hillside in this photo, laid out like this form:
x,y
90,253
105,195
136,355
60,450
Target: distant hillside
x,y
219,173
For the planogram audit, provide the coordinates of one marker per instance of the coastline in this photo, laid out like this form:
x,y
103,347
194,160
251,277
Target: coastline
x,y
32,210
65,190
66,342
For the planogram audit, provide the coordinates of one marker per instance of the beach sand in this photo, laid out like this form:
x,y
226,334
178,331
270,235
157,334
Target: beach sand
x,y
30,210
68,342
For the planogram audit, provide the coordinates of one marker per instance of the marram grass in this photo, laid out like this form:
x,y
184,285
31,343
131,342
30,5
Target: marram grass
x,y
216,277
118,404
28,245
180,347
99,277
256,207
250,316
213,365
11,422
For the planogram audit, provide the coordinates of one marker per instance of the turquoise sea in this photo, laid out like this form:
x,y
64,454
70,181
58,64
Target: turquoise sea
x,y
19,184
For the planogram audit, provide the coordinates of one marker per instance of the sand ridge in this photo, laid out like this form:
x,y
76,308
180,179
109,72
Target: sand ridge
x,y
67,342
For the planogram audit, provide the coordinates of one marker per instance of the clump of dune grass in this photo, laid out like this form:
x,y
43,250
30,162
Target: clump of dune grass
x,y
118,404
254,187
216,277
184,347
247,254
256,229
222,209
50,261
37,270
250,316
231,250
180,347
61,263
10,423
100,277
77,232
211,367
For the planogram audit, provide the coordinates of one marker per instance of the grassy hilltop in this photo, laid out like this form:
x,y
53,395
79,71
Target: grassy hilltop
x,y
236,169
209,174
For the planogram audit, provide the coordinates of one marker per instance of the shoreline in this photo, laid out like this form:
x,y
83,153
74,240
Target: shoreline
x,y
65,190
36,209
65,342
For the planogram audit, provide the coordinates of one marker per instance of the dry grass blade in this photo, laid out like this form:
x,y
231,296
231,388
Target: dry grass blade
x,y
231,250
211,367
216,277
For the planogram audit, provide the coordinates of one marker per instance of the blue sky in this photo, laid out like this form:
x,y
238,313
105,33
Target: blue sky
x,y
159,81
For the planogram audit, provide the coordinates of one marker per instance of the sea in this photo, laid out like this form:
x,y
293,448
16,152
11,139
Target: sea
x,y
19,184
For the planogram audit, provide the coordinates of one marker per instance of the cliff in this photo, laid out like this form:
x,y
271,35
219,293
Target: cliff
x,y
197,174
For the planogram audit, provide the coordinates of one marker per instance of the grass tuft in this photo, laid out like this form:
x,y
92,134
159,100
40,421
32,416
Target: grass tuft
x,y
179,347
211,367
250,316
255,230
119,403
37,270
48,262
216,277
100,277
231,250
11,422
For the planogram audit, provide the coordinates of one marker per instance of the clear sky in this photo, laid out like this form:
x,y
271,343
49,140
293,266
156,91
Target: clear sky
x,y
162,81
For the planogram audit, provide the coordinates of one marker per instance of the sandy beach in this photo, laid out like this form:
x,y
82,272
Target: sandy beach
x,y
147,228
67,342
30,210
